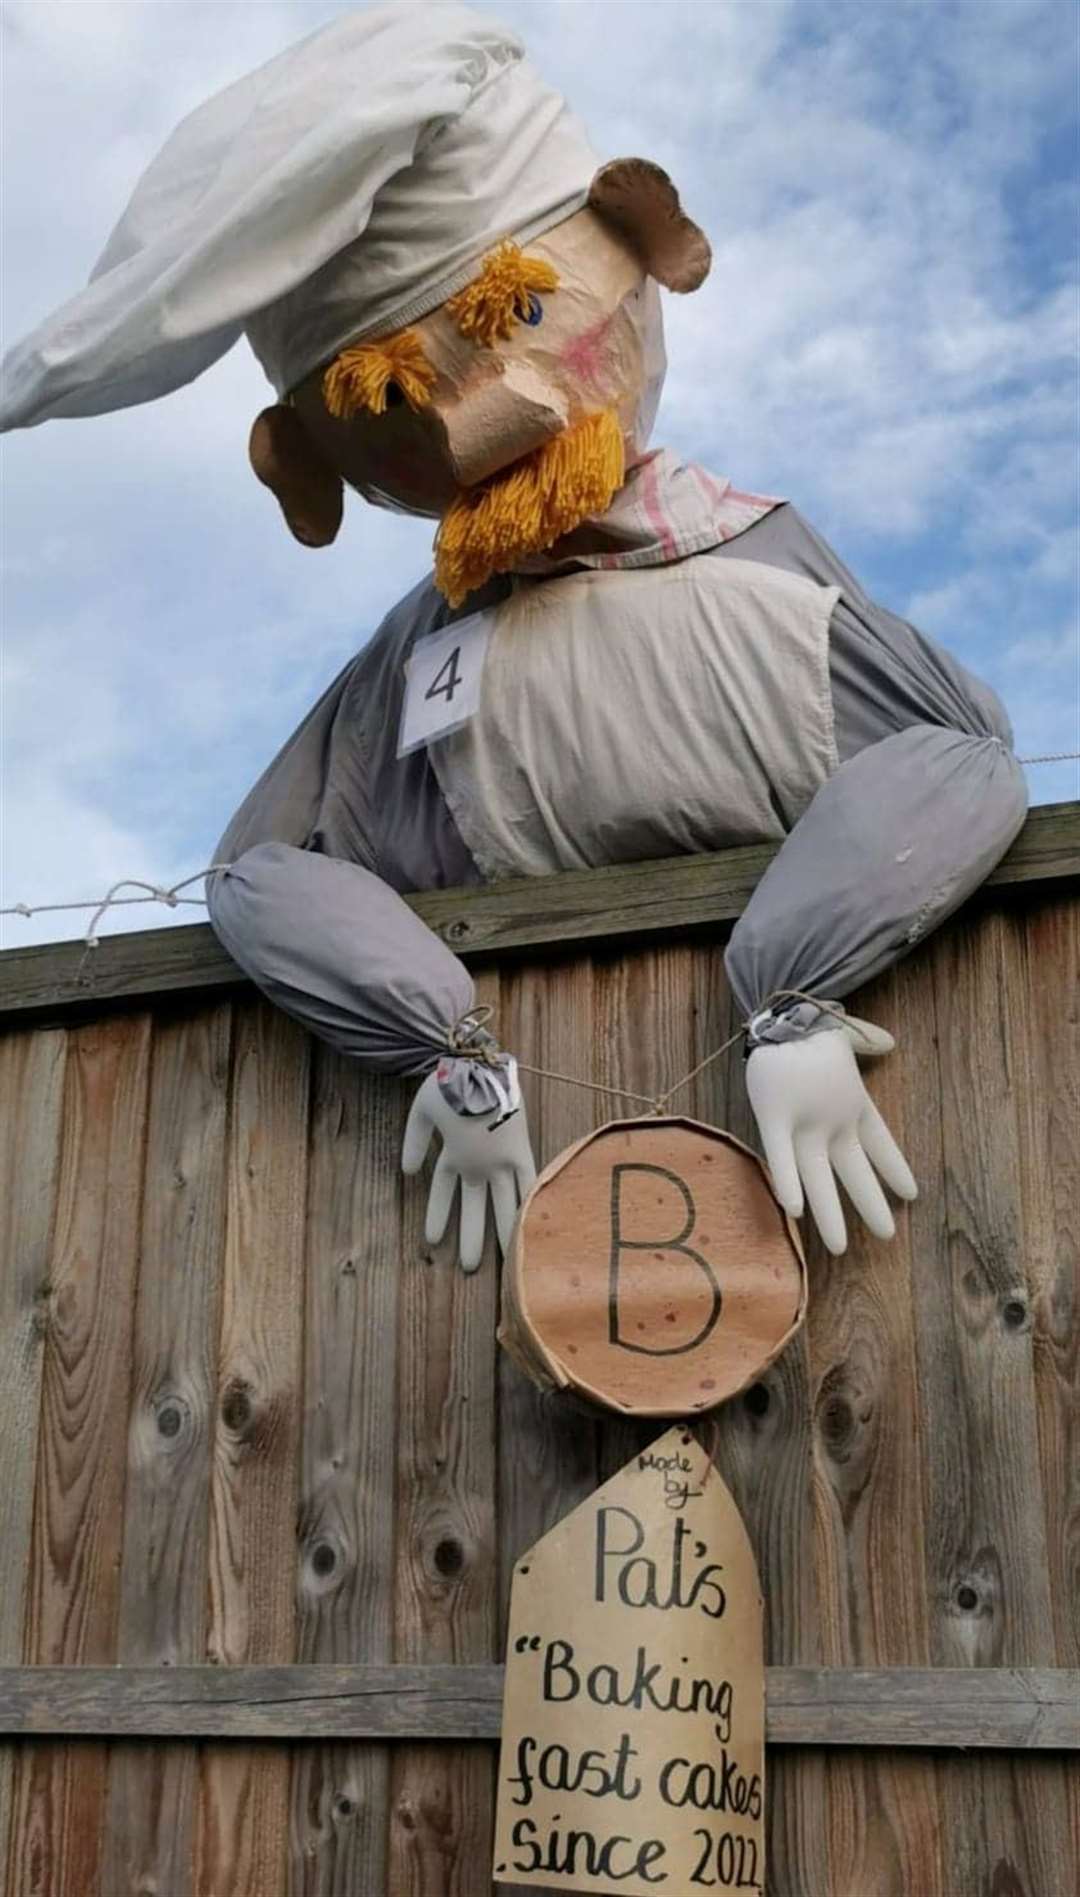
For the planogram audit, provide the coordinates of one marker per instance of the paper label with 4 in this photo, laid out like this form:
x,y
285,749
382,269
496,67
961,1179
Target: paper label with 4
x,y
442,681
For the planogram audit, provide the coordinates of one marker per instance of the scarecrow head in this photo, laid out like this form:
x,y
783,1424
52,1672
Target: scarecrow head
x,y
511,412
456,303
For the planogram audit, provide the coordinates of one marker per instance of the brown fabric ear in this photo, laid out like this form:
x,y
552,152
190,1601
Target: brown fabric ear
x,y
308,491
639,200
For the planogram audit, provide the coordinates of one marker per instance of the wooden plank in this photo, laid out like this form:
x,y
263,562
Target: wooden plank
x,y
1043,1029
1043,972
243,1819
340,1793
31,1074
654,987
73,1595
881,1810
987,1557
441,1811
637,899
996,1708
762,1444
548,1448
149,1833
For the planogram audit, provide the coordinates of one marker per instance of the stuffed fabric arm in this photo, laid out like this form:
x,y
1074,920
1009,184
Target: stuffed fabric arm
x,y
338,949
896,840
893,842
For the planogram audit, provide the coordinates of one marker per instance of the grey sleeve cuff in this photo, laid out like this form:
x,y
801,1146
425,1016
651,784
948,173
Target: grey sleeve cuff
x,y
788,1020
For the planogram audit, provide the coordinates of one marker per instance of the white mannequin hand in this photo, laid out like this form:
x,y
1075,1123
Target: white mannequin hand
x,y
477,1154
816,1119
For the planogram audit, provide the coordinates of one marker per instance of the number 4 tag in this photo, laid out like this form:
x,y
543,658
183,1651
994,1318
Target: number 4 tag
x,y
442,681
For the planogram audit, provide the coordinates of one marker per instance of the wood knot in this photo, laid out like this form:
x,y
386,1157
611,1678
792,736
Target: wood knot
x,y
449,1556
237,1411
40,1309
171,1414
457,931
343,1806
975,1595
1014,1313
843,1414
757,1399
837,1424
325,1560
1006,1880
258,1421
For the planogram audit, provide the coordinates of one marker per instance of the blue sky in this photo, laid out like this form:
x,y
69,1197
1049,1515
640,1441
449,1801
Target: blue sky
x,y
888,338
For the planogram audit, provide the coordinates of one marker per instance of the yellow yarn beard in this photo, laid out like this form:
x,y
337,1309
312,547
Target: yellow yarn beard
x,y
530,506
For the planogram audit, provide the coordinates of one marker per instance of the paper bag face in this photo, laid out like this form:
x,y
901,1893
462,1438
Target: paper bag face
x,y
598,345
632,1755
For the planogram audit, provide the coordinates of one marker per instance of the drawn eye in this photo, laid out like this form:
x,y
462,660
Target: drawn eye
x,y
536,311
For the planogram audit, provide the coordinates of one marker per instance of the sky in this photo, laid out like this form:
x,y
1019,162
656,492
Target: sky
x,y
888,338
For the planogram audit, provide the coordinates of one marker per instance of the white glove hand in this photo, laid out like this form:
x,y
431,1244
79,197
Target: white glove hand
x,y
477,1154
816,1119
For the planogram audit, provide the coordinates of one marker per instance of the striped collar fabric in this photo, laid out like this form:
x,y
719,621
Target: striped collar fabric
x,y
666,510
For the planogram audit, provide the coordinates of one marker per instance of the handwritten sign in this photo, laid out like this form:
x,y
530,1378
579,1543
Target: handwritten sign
x,y
633,1743
652,1270
442,681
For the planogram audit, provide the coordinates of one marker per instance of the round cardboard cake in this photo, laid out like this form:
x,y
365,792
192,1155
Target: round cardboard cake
x,y
652,1270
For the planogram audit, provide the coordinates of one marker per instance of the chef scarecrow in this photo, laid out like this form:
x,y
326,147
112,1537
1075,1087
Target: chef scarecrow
x,y
619,654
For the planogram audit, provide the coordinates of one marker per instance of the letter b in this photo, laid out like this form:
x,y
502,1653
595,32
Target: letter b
x,y
676,1243
558,1659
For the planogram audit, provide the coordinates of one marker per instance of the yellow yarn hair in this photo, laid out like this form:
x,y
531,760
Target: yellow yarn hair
x,y
485,310
360,376
527,509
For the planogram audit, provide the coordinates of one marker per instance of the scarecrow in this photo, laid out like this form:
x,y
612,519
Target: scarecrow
x,y
619,655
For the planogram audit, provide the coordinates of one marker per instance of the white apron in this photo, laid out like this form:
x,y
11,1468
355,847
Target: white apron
x,y
644,712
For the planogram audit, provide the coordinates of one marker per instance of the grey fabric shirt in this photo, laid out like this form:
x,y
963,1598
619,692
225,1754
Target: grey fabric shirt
x,y
922,799
337,785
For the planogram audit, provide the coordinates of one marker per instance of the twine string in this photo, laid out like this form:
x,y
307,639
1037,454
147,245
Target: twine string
x,y
658,1103
590,1086
1050,757
470,1038
156,893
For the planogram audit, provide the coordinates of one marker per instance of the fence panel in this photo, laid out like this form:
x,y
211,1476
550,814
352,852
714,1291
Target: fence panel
x,y
254,1426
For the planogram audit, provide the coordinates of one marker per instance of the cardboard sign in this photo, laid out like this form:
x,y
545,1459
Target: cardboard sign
x,y
652,1270
442,681
633,1742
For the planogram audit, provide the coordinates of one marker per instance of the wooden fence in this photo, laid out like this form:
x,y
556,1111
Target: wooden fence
x,y
265,1471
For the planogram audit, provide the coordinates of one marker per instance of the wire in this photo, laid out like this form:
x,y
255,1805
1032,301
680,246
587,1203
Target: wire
x,y
157,894
113,901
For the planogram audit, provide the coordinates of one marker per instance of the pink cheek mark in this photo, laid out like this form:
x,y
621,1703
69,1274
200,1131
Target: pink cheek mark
x,y
584,356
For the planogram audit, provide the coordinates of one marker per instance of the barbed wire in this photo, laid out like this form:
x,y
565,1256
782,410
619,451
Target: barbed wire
x,y
155,893
113,901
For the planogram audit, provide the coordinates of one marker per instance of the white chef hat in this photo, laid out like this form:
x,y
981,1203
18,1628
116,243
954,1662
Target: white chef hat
x,y
343,190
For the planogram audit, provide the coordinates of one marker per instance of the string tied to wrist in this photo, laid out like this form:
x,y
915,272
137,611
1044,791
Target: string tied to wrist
x,y
659,1104
470,1038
